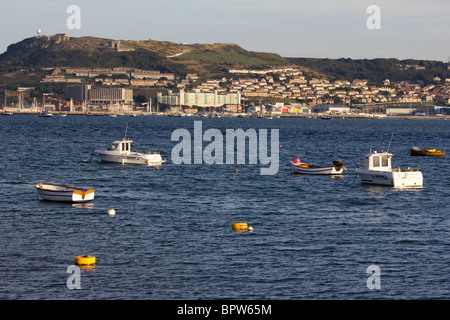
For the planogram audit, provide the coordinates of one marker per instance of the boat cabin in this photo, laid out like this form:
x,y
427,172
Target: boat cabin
x,y
377,161
121,146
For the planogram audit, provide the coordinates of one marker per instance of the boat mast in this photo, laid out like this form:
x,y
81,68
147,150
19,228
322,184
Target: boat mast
x,y
390,141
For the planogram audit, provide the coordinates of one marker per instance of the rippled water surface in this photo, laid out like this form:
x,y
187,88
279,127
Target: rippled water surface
x,y
171,237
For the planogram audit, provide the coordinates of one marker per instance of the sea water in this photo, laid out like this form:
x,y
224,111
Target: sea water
x,y
314,237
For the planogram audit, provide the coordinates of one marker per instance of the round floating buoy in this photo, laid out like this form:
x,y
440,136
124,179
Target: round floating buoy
x,y
281,146
85,160
250,228
242,226
85,261
111,212
236,170
19,176
156,168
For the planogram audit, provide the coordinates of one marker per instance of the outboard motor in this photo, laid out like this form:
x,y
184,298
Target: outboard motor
x,y
338,163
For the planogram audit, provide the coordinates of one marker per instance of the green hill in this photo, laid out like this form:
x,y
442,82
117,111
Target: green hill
x,y
24,63
41,52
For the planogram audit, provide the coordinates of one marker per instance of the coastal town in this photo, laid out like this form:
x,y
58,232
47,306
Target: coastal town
x,y
281,91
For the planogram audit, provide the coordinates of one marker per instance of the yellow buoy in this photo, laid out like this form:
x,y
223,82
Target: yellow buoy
x,y
85,261
241,226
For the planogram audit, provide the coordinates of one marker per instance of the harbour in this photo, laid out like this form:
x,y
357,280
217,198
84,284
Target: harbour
x,y
171,236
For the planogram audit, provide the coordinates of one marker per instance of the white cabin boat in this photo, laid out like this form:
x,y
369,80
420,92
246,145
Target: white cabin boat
x,y
45,114
307,168
376,168
62,193
120,152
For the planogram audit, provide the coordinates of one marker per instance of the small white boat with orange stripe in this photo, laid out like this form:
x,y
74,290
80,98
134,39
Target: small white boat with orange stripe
x,y
63,193
307,168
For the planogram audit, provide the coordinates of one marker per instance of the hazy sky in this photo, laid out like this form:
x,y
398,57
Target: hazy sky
x,y
416,29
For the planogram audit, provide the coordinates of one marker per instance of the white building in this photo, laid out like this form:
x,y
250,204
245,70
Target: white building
x,y
331,108
199,99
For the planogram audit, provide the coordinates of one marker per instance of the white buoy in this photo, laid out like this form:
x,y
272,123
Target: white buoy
x,y
250,228
111,212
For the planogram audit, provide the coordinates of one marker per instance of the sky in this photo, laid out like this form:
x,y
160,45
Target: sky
x,y
415,29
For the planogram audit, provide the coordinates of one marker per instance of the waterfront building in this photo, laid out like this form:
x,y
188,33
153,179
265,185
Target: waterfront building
x,y
99,95
331,108
109,95
200,99
78,93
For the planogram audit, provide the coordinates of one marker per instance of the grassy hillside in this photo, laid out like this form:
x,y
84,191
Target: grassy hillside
x,y
25,62
148,54
230,55
76,52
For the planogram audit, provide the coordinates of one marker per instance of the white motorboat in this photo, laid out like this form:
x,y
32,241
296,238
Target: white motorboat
x,y
45,114
376,168
120,152
62,193
307,168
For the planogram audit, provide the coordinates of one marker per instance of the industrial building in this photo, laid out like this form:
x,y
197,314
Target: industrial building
x,y
99,95
331,108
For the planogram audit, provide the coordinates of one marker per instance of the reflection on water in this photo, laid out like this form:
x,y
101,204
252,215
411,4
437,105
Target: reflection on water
x,y
86,205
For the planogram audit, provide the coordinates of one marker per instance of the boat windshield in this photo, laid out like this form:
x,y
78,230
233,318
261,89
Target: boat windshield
x,y
376,161
113,147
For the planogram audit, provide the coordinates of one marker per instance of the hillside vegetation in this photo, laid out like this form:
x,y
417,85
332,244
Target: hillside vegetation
x,y
24,62
146,54
376,70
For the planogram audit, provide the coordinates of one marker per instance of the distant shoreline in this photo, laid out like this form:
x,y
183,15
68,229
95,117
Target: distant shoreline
x,y
239,115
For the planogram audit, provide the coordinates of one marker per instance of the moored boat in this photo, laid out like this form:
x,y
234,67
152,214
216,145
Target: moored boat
x,y
298,167
426,152
120,152
376,168
63,193
45,114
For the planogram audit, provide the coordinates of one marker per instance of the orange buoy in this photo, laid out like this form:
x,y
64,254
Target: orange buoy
x,y
85,261
241,226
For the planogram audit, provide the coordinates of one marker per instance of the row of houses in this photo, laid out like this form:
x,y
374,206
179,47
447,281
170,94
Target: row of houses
x,y
105,75
273,83
317,91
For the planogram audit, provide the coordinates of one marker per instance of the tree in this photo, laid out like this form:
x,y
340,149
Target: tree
x,y
140,98
337,100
